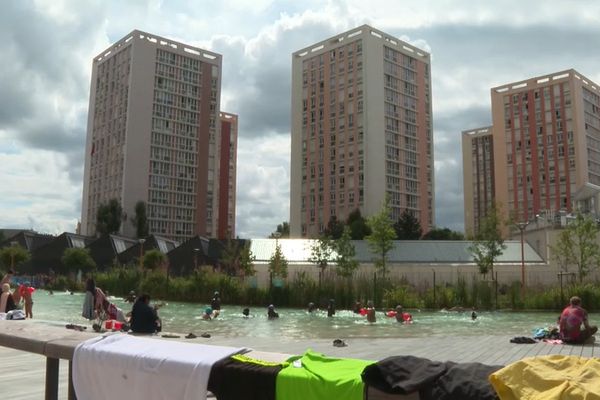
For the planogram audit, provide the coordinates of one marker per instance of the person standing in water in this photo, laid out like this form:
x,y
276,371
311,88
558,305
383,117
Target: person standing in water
x,y
331,308
271,313
371,312
215,304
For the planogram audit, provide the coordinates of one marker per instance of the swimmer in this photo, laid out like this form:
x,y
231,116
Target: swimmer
x,y
271,313
473,315
207,313
371,312
331,308
246,312
399,311
357,307
311,307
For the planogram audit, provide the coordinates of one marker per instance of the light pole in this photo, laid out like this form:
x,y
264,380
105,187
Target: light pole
x,y
142,254
522,226
13,246
196,258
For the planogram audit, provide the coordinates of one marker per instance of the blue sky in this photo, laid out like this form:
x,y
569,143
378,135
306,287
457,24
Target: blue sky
x,y
47,48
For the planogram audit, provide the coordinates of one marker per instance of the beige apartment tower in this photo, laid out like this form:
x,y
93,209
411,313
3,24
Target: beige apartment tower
x,y
153,135
361,130
546,147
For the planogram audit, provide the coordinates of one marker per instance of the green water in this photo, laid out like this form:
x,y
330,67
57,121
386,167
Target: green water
x,y
62,308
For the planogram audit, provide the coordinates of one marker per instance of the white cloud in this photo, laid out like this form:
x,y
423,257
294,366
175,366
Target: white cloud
x,y
44,88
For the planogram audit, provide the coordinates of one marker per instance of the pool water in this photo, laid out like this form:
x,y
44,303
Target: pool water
x,y
61,308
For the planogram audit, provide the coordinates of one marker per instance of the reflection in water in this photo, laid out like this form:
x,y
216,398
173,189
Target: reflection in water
x,y
62,308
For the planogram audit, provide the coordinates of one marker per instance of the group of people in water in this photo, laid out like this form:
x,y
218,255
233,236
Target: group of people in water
x,y
17,299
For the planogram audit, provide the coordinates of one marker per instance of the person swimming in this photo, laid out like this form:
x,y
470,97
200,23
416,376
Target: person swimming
x,y
311,307
208,313
271,313
246,312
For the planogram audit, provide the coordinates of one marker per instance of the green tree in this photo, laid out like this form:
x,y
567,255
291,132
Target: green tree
x,y
140,220
2,237
408,227
13,256
381,239
443,234
488,244
278,264
78,259
283,230
247,259
154,259
345,252
359,228
577,244
320,254
109,217
335,228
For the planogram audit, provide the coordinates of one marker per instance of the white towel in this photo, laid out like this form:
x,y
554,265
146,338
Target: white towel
x,y
125,366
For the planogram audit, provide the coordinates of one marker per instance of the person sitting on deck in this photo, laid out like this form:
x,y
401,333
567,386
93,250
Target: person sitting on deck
x,y
7,302
144,318
6,278
271,313
571,319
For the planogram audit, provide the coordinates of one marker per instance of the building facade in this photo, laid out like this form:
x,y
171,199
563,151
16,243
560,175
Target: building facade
x,y
361,130
227,177
546,133
478,175
153,135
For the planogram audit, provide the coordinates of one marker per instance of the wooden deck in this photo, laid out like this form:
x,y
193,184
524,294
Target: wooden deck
x,y
22,373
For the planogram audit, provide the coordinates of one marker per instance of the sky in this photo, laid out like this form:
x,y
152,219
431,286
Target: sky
x,y
46,51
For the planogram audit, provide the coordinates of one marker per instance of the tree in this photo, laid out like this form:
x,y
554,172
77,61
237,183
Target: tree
x,y
78,259
335,228
13,256
109,217
577,244
140,220
278,263
247,259
320,254
359,228
443,234
154,259
2,237
488,244
283,230
345,253
381,239
237,258
408,227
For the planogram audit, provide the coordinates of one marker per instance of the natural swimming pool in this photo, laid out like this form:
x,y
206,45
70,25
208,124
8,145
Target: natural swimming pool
x,y
62,308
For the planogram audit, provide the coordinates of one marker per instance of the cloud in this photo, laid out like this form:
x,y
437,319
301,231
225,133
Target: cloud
x,y
49,46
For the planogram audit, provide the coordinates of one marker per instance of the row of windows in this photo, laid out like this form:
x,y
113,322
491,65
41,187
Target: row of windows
x,y
167,57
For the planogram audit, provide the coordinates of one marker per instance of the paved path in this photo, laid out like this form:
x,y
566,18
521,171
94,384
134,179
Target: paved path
x,y
22,374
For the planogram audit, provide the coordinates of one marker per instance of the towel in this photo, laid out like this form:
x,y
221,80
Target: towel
x,y
551,377
314,376
106,367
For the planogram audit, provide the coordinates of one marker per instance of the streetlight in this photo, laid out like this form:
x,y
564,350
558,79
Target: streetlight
x,y
196,250
13,245
522,226
142,253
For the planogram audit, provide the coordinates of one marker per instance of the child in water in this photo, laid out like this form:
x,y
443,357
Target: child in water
x,y
271,313
207,313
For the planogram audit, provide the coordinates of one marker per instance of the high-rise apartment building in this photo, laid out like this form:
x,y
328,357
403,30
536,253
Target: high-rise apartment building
x,y
361,130
546,146
154,135
227,177
478,175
